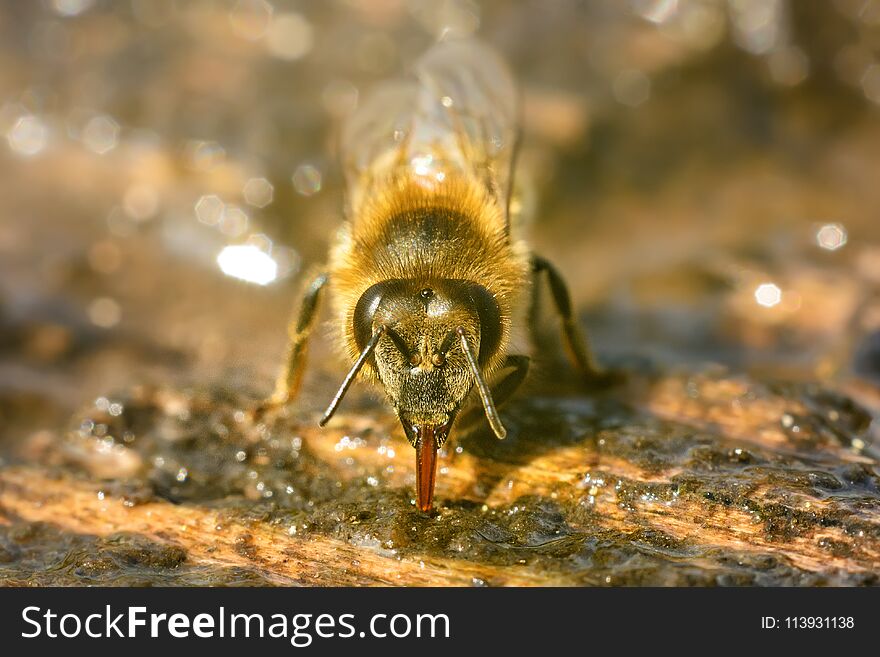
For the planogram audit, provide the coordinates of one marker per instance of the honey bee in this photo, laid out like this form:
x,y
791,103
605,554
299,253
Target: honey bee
x,y
427,274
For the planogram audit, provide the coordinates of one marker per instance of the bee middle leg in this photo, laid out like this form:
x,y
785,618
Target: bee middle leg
x,y
299,331
502,390
576,344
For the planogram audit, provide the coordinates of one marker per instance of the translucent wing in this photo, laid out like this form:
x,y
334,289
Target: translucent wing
x,y
457,116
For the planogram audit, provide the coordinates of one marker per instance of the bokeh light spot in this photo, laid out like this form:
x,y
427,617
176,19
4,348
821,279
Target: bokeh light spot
x,y
140,201
248,263
210,209
258,192
656,11
105,312
234,221
28,135
788,66
871,83
262,241
768,295
101,134
71,7
307,180
250,19
290,37
204,155
831,237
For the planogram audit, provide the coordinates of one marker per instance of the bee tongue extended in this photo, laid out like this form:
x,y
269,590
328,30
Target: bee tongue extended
x,y
426,466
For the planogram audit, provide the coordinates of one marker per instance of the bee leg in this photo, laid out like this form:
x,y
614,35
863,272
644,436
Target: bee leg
x,y
299,329
502,390
576,344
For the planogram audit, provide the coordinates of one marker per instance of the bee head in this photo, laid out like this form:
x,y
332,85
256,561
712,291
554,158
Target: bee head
x,y
435,338
420,359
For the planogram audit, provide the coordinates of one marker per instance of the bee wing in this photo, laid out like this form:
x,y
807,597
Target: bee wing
x,y
457,116
468,103
374,135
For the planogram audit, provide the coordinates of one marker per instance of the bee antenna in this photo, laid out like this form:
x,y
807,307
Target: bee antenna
x,y
485,393
352,374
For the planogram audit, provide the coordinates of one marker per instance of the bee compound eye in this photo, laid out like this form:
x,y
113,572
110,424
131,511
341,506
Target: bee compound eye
x,y
364,316
490,321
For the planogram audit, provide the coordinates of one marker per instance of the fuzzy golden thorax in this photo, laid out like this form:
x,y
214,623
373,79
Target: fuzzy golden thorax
x,y
424,260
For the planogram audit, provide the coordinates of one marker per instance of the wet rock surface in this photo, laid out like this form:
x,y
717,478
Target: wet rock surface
x,y
700,480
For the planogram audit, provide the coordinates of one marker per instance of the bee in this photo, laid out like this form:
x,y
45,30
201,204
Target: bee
x,y
427,273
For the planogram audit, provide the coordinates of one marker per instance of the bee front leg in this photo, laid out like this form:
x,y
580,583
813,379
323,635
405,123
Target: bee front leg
x,y
576,344
299,330
502,390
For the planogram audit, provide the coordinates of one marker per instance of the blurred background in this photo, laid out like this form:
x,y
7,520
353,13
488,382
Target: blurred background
x,y
705,172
